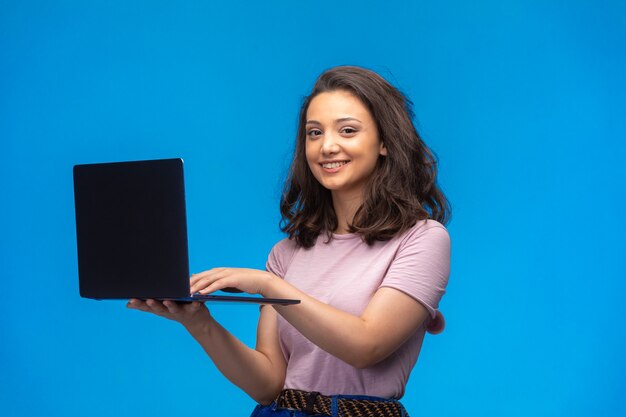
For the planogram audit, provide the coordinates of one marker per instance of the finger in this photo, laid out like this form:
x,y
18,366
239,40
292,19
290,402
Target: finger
x,y
195,306
209,273
196,277
193,278
209,278
137,304
192,307
172,306
156,306
199,284
218,284
203,285
134,302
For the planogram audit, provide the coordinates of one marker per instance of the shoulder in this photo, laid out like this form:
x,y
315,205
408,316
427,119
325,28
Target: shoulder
x,y
284,246
280,256
421,266
426,232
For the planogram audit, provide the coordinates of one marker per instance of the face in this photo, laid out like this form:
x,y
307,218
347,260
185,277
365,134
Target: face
x,y
342,144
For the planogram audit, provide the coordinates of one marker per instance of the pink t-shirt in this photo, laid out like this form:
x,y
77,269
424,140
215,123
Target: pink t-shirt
x,y
346,273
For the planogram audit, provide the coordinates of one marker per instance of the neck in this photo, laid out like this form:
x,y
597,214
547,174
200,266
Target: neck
x,y
345,205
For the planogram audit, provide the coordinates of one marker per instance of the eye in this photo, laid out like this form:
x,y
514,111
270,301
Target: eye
x,y
348,131
312,133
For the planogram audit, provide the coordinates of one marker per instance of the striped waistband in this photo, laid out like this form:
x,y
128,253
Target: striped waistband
x,y
314,402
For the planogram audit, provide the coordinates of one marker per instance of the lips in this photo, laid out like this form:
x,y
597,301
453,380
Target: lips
x,y
333,166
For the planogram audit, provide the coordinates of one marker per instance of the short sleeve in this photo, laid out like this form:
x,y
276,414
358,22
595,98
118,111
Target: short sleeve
x,y
422,265
280,257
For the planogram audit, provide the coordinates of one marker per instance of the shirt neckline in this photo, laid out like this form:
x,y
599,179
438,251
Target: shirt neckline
x,y
345,236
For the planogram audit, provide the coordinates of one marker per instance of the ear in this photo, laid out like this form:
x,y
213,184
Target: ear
x,y
383,150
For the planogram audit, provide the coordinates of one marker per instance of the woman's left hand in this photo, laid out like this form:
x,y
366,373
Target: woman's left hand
x,y
251,281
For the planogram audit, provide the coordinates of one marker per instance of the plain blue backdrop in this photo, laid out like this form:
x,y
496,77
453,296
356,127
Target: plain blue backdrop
x,y
524,102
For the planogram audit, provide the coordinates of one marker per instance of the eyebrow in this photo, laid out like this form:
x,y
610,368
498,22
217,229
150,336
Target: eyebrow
x,y
343,119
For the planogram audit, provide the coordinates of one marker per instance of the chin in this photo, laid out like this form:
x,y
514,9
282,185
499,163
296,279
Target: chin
x,y
331,186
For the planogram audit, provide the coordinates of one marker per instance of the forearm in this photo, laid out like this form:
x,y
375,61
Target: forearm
x,y
249,369
360,341
341,334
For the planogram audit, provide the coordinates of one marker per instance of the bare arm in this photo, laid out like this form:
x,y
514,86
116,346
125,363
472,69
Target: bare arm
x,y
259,372
360,341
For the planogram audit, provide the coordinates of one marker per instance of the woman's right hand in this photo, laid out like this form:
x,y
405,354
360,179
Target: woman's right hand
x,y
188,314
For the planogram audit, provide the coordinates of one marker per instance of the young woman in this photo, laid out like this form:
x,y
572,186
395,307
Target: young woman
x,y
367,254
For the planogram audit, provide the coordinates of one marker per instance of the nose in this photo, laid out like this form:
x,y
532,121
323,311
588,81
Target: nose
x,y
329,144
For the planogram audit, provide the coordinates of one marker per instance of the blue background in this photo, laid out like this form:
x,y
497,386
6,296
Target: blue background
x,y
523,101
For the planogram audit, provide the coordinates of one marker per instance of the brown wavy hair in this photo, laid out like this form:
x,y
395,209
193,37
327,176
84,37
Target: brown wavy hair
x,y
402,189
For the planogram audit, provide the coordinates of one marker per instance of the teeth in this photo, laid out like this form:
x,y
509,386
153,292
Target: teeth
x,y
334,164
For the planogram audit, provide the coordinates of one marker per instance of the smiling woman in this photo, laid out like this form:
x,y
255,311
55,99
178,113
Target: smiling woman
x,y
352,109
342,146
366,244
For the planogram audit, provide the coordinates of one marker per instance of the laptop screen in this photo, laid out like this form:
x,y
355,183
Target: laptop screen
x,y
131,229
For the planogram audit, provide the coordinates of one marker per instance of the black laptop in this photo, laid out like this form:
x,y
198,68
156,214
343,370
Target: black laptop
x,y
131,233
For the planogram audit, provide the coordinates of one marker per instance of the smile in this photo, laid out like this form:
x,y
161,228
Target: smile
x,y
334,165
